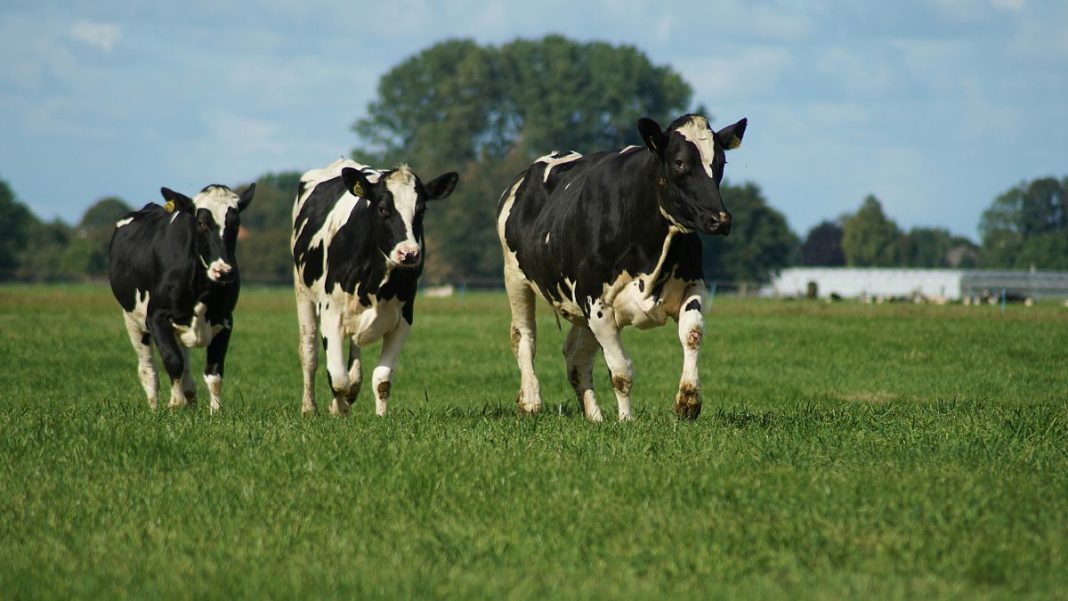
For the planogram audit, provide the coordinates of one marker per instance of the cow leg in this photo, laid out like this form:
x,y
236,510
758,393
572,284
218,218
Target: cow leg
x,y
603,325
146,367
382,377
309,351
337,370
171,353
215,366
580,346
355,371
524,341
189,385
691,330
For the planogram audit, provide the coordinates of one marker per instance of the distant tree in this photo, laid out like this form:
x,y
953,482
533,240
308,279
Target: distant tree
x,y
760,242
927,247
103,214
16,220
263,248
42,260
823,246
870,238
1026,226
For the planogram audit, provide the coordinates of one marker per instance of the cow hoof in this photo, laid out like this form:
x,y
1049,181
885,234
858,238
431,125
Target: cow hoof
x,y
339,408
595,416
687,411
525,407
625,417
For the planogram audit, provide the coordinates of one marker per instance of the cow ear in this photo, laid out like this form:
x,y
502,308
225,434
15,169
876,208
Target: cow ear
x,y
731,136
245,199
652,134
176,201
357,184
441,186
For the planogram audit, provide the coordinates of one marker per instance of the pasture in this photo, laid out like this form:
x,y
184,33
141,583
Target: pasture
x,y
844,451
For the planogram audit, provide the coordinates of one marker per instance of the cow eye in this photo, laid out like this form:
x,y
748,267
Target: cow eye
x,y
680,165
383,211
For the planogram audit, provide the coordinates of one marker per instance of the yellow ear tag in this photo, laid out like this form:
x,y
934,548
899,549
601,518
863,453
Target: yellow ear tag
x,y
734,143
169,206
358,189
661,182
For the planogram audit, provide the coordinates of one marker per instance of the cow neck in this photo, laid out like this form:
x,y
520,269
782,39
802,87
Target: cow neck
x,y
670,226
663,230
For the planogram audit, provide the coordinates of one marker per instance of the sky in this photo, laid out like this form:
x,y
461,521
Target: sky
x,y
935,106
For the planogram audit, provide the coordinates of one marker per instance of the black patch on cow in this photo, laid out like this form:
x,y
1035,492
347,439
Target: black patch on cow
x,y
329,380
600,315
607,220
146,338
324,344
693,305
641,285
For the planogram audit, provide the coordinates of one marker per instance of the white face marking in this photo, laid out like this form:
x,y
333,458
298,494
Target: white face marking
x,y
696,131
218,201
217,269
551,161
123,222
401,183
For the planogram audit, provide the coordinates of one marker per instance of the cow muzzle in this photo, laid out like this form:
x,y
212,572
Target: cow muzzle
x,y
407,255
718,224
220,271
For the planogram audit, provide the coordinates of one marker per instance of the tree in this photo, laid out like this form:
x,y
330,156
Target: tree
x,y
263,247
486,111
823,246
870,238
15,223
86,253
928,247
760,241
1026,226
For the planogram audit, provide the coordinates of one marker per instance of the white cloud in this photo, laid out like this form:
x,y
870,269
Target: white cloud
x,y
103,36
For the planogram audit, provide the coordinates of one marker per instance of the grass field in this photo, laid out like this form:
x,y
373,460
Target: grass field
x,y
845,451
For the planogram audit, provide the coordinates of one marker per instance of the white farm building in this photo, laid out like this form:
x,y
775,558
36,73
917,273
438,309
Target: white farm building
x,y
937,284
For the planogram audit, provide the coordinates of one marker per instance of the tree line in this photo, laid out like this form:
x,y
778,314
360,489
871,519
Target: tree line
x,y
486,111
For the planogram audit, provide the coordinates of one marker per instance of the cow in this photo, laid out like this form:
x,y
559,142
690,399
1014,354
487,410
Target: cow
x,y
174,271
610,240
357,253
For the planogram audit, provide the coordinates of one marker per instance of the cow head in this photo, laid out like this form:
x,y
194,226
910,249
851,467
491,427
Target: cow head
x,y
690,165
216,211
398,201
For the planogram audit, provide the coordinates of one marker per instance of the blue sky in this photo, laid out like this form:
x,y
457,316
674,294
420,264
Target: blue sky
x,y
935,107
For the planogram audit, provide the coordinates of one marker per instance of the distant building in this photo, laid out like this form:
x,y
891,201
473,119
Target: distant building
x,y
931,284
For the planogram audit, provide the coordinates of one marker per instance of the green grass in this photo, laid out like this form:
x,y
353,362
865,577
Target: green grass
x,y
845,451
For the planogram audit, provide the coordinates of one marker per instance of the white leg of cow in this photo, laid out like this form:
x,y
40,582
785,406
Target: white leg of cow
x,y
580,346
382,378
524,341
146,367
603,325
691,330
189,385
355,372
309,351
337,370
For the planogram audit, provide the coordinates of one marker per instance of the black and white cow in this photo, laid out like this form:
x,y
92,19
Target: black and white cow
x,y
174,271
609,240
358,252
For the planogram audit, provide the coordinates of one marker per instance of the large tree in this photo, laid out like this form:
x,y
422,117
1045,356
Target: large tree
x,y
486,111
760,241
870,238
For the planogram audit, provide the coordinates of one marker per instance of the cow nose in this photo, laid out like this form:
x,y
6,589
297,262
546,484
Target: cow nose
x,y
408,257
719,224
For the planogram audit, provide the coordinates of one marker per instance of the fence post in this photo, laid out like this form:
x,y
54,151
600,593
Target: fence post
x,y
1002,301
